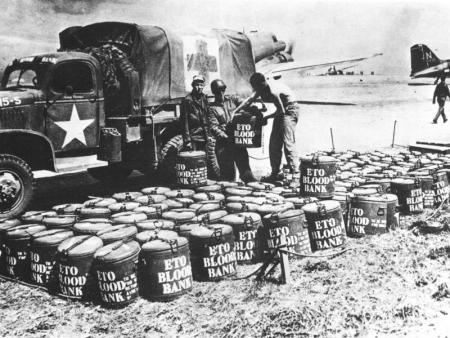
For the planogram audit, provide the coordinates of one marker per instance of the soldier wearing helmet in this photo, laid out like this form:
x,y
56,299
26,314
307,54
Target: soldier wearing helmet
x,y
219,118
194,109
283,127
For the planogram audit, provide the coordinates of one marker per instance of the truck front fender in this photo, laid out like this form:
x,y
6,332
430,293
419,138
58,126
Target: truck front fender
x,y
31,146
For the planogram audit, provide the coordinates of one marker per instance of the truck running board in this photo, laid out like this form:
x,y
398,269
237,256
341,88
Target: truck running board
x,y
71,165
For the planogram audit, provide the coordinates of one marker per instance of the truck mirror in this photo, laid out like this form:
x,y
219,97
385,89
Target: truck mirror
x,y
68,91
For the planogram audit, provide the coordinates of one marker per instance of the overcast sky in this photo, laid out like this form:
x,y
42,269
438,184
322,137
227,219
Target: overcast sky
x,y
322,30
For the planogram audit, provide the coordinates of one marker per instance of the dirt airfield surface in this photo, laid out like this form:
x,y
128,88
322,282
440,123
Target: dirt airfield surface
x,y
384,286
392,285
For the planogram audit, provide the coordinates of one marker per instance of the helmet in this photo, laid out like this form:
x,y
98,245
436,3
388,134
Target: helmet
x,y
216,85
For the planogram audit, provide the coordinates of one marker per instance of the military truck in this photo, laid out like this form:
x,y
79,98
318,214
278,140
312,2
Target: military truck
x,y
108,100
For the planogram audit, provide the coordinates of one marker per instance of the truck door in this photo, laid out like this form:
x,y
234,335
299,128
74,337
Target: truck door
x,y
72,116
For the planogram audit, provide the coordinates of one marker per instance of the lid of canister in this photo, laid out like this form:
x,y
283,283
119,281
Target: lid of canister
x,y
178,202
92,211
89,227
149,235
8,223
154,190
182,214
23,231
162,244
69,208
36,216
50,237
226,184
99,202
206,206
329,205
128,217
150,199
209,188
301,200
80,245
261,186
210,230
402,181
285,214
241,218
211,216
190,154
117,251
275,207
126,196
239,191
269,196
180,193
152,224
369,198
117,233
188,227
208,196
364,191
59,220
152,210
246,199
390,197
123,206
319,159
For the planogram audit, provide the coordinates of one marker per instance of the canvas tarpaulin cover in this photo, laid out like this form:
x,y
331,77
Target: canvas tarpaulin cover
x,y
167,60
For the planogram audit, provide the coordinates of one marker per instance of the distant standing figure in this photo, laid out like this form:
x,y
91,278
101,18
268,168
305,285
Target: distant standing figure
x,y
441,92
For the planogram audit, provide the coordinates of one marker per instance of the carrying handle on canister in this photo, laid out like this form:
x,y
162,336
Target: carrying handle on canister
x,y
215,236
315,159
244,206
205,220
210,196
248,222
150,200
321,208
381,211
128,196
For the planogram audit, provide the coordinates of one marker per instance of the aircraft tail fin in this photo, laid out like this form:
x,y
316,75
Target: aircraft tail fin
x,y
422,58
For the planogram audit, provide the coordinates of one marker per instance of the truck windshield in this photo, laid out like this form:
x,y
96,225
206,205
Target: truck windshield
x,y
25,77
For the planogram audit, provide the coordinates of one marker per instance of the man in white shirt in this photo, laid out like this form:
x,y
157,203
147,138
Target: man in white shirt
x,y
285,121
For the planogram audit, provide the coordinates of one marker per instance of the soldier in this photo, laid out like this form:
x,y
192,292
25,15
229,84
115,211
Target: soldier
x,y
441,92
285,121
219,118
194,109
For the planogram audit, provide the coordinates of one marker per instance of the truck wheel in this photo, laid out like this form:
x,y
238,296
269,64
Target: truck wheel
x,y
16,186
112,173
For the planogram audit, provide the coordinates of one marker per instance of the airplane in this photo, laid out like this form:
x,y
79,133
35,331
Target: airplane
x,y
274,57
424,63
276,71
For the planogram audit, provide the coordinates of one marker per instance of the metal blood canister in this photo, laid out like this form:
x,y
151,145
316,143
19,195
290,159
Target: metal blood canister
x,y
165,267
325,224
77,278
317,176
116,265
213,253
43,250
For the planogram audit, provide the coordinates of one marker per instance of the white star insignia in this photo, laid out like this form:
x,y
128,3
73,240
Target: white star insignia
x,y
74,128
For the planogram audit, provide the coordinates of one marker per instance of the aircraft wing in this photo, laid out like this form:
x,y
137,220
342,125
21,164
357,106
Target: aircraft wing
x,y
280,68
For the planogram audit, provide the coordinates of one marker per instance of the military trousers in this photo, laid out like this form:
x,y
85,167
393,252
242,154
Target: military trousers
x,y
282,138
227,155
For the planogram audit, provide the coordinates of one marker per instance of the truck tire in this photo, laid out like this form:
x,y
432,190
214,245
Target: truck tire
x,y
166,169
112,173
17,186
